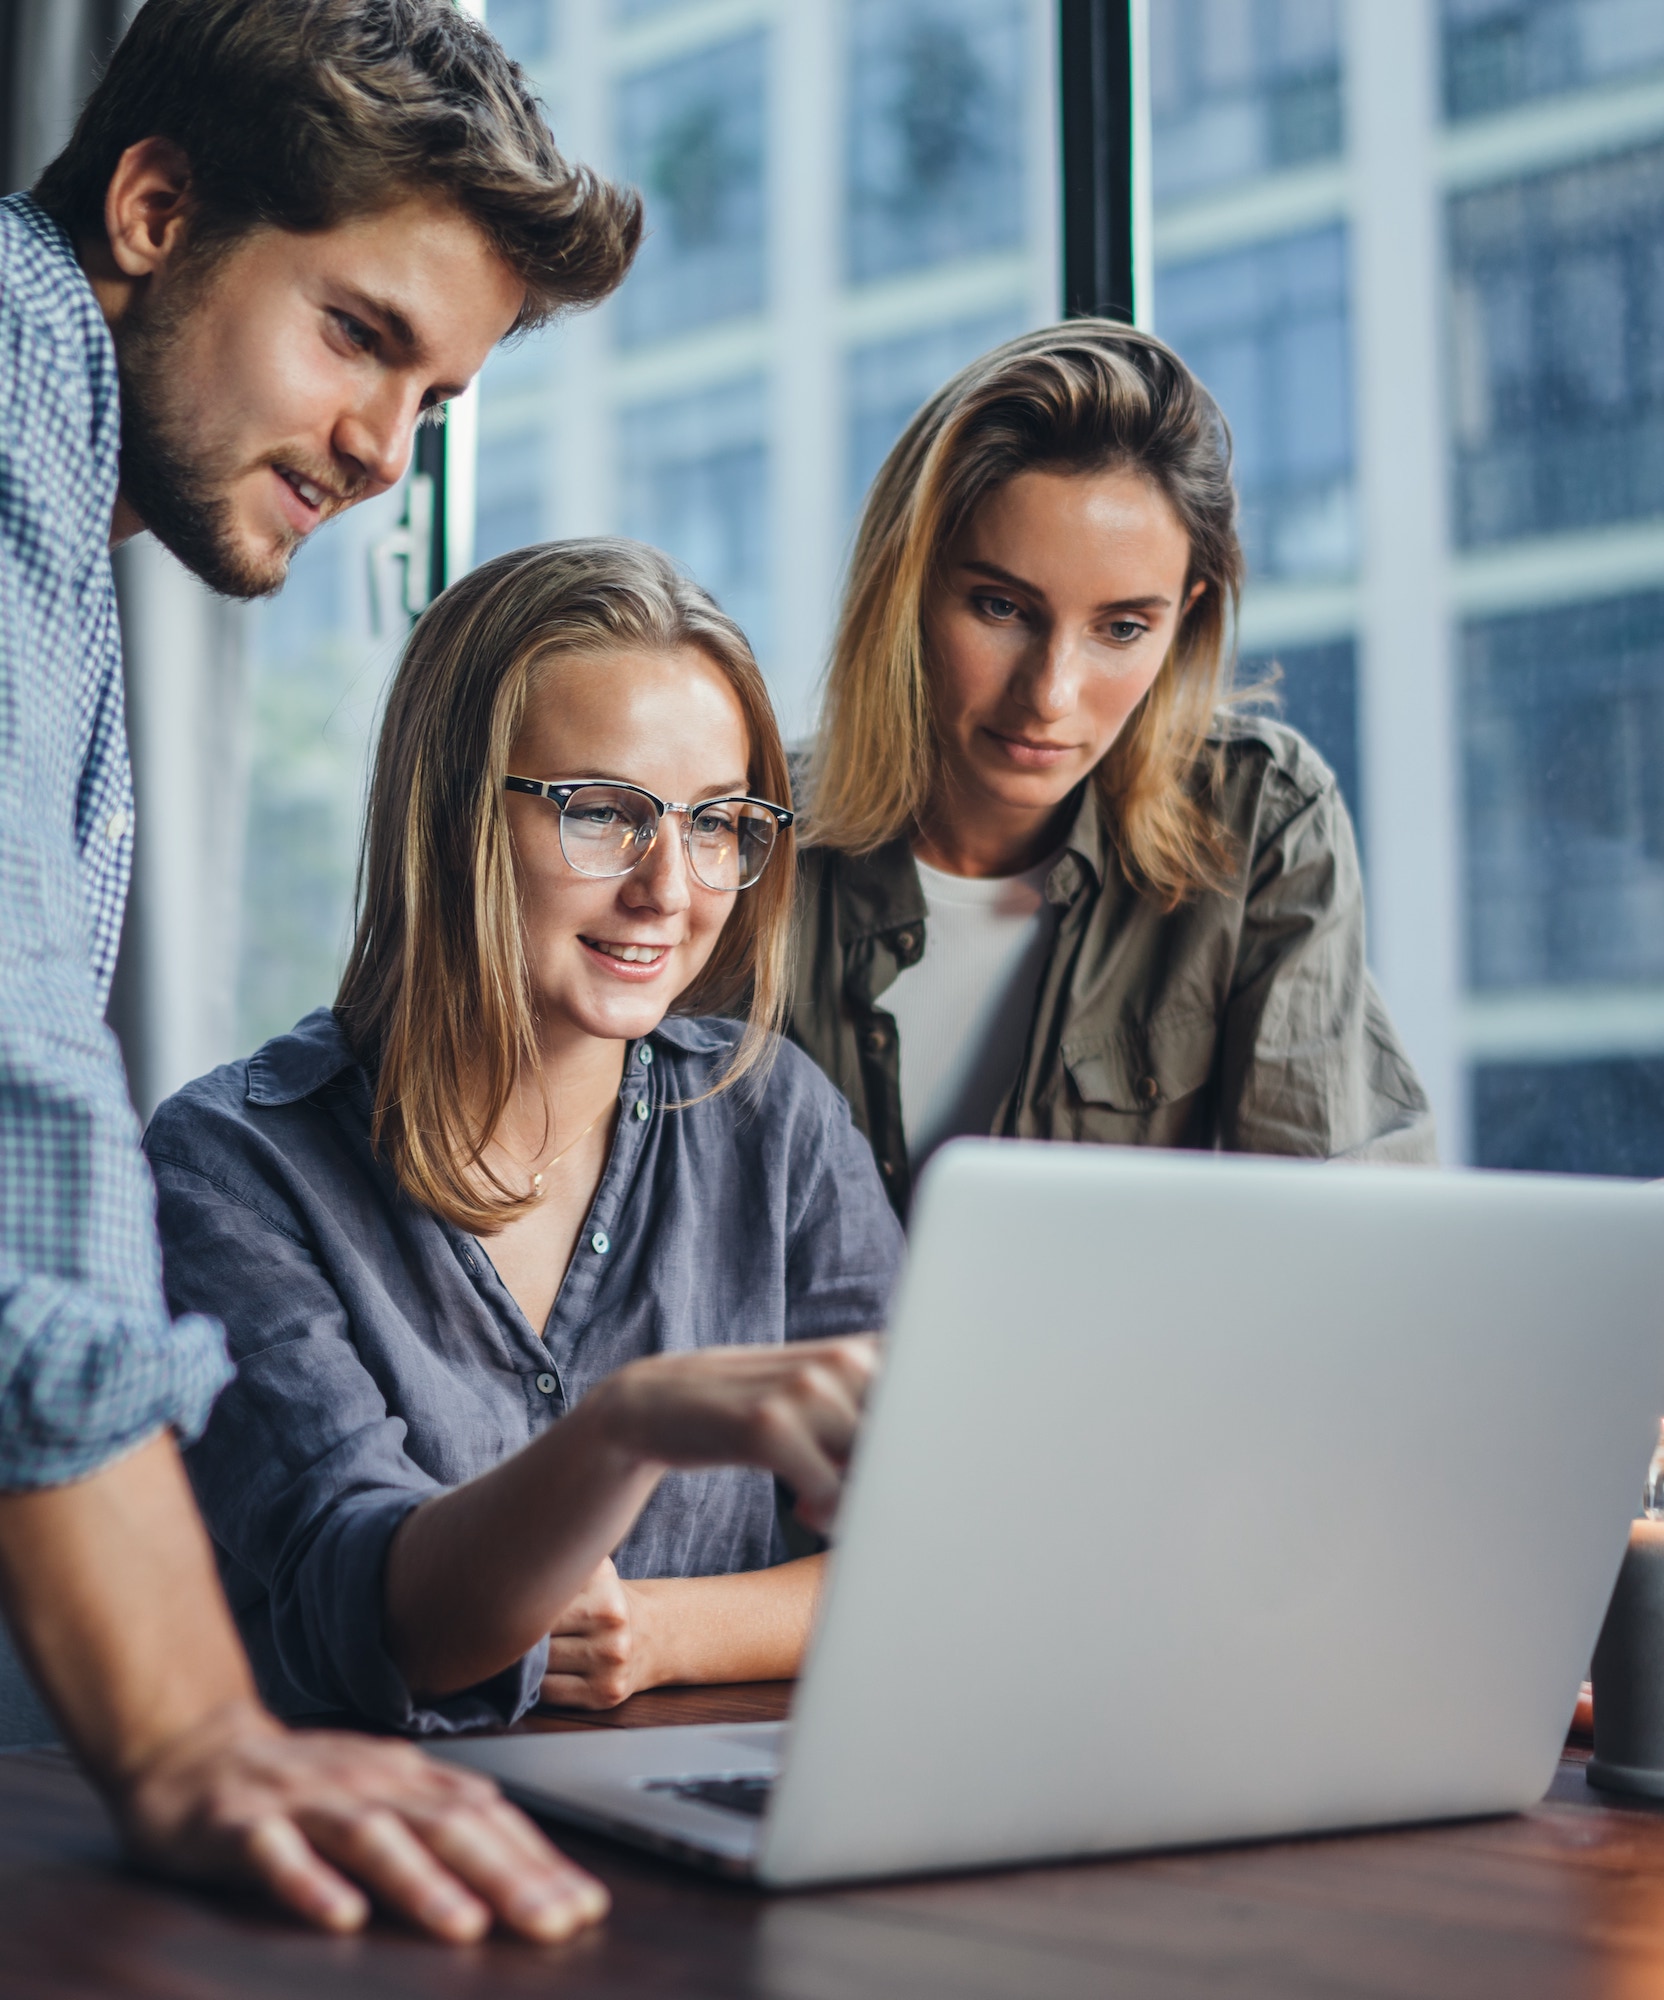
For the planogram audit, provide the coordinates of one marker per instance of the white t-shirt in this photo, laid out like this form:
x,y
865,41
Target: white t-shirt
x,y
962,1010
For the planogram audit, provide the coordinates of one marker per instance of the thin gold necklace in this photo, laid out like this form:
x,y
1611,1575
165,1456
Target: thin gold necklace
x,y
537,1178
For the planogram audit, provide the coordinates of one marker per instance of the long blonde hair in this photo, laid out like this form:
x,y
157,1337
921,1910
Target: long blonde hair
x,y
1086,396
435,998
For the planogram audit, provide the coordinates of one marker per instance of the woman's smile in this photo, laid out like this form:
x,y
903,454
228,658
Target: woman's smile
x,y
634,962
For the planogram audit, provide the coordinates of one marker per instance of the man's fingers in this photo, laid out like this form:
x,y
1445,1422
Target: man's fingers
x,y
381,1851
286,1867
528,1883
572,1691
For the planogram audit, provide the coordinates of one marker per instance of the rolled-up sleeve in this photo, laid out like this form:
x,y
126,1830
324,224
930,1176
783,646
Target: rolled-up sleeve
x,y
1312,1063
303,1475
845,1244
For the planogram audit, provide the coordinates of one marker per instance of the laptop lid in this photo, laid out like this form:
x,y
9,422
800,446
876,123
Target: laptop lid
x,y
1214,1498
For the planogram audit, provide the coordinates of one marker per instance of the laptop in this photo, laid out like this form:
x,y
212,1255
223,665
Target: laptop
x,y
1201,1500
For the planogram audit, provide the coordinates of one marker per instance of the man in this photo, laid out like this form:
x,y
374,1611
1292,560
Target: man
x,y
282,231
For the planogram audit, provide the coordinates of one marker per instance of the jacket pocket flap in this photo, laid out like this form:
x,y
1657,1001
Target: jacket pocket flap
x,y
1141,1069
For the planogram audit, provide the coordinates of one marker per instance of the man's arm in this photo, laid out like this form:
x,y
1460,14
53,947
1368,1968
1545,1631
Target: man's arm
x,y
110,1590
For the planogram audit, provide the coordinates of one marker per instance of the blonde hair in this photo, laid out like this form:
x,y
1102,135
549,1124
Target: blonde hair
x,y
1089,395
436,999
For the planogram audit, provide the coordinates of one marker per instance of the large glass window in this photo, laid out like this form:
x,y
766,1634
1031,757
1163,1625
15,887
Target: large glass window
x,y
1557,300
695,483
1266,328
1241,88
691,137
935,156
1563,728
1499,53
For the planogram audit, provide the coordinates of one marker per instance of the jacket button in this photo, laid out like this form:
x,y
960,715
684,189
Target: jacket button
x,y
546,1385
877,1041
644,1056
905,941
600,1243
644,1110
1148,1089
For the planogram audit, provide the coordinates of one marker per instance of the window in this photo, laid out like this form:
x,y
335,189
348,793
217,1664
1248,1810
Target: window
x,y
695,483
846,200
1454,511
1499,53
1557,308
935,154
320,653
1241,88
691,137
1266,329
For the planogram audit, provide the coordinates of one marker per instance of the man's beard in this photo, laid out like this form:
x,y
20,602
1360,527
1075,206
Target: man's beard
x,y
167,454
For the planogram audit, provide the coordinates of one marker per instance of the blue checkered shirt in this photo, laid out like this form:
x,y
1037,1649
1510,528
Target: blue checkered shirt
x,y
90,1363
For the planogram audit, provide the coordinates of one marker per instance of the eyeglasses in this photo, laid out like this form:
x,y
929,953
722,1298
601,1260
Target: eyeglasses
x,y
608,828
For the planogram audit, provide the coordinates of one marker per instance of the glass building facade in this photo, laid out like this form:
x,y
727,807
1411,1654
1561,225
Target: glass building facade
x,y
1502,744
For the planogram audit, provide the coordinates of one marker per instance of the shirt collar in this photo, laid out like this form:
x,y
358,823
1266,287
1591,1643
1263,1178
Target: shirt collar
x,y
292,1066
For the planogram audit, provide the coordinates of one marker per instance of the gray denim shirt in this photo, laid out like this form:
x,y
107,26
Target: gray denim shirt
x,y
380,1359
1245,1020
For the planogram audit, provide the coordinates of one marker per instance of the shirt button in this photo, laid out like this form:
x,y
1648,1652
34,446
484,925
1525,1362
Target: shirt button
x,y
644,1056
644,1110
116,826
877,1041
1148,1089
905,941
888,1169
600,1243
546,1385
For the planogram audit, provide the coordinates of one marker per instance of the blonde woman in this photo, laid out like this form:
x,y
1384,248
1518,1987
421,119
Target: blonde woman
x,y
510,1245
1052,886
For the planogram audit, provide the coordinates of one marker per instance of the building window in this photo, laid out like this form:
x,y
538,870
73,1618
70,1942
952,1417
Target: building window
x,y
1317,693
1599,1116
1240,88
886,382
1266,329
1503,52
320,655
935,131
522,26
691,138
1558,332
695,483
1563,746
509,509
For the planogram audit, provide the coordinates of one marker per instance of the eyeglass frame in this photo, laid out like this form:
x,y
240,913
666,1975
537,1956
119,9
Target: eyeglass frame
x,y
559,793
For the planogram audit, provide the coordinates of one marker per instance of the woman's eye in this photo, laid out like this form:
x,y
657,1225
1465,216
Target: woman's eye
x,y
1001,608
1124,630
715,822
593,815
355,332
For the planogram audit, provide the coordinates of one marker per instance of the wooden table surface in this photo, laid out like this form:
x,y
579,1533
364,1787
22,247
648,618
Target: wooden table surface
x,y
1567,1899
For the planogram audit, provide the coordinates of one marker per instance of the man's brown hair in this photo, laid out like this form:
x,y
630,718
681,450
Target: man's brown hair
x,y
300,114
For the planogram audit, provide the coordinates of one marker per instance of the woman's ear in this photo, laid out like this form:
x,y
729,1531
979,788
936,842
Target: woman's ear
x,y
1197,591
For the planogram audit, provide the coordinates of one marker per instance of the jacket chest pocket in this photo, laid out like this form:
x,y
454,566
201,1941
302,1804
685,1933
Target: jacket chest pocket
x,y
1138,1085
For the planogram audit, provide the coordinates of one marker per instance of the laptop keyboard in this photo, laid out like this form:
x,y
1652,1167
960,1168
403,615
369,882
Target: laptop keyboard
x,y
748,1794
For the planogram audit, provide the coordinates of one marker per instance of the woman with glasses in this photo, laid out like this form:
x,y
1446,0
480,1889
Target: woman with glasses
x,y
538,1271
1054,884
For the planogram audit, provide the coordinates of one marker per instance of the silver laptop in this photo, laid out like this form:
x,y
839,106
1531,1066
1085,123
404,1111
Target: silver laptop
x,y
1201,1500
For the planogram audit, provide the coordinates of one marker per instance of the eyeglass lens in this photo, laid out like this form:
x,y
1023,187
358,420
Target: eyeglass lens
x,y
606,829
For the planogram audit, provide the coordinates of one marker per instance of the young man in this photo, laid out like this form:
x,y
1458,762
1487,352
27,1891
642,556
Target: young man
x,y
282,230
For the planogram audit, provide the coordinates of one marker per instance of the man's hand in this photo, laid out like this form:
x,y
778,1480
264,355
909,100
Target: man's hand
x,y
237,1798
600,1652
792,1410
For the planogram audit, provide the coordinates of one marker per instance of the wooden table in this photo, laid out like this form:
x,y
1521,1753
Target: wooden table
x,y
1568,1899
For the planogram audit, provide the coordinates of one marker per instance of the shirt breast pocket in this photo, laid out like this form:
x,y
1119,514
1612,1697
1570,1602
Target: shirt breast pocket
x,y
1142,1085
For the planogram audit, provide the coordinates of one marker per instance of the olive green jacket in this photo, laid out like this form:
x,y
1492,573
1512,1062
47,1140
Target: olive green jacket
x,y
1245,1020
